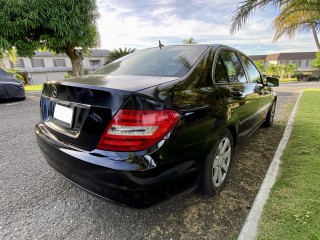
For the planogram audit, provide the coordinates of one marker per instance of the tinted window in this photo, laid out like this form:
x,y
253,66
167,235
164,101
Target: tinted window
x,y
253,72
234,67
220,74
168,61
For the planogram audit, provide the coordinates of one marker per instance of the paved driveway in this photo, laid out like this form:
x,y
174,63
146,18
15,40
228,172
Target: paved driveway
x,y
37,203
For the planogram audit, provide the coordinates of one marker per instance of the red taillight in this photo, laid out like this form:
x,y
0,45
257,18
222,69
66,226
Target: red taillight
x,y
136,130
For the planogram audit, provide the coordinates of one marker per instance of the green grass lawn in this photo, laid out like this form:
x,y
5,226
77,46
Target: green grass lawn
x,y
33,87
293,209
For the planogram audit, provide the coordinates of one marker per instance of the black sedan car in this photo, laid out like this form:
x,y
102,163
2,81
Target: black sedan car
x,y
156,123
11,89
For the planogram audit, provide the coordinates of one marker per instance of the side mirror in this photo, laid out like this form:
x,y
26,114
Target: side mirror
x,y
272,82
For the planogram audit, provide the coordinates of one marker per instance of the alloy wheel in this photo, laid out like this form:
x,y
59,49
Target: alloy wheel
x,y
221,162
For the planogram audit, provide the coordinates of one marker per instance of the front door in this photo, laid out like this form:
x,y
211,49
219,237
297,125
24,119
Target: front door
x,y
262,90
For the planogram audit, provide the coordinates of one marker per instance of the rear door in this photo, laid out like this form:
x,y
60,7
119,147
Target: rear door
x,y
231,79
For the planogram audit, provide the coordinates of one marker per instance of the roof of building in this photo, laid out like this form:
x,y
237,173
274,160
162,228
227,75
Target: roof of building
x,y
285,56
99,52
258,57
93,53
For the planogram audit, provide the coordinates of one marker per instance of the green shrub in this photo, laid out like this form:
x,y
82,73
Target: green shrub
x,y
288,80
14,72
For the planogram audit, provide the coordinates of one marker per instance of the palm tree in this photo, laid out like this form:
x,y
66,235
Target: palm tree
x,y
274,70
295,16
189,41
118,53
290,69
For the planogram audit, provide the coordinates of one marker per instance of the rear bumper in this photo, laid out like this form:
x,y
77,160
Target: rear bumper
x,y
134,180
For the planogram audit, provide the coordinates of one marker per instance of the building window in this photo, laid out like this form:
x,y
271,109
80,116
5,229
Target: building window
x,y
59,62
19,63
95,63
308,63
297,62
36,62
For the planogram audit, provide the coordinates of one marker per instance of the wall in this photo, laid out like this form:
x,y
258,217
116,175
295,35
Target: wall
x,y
48,61
86,62
56,75
40,78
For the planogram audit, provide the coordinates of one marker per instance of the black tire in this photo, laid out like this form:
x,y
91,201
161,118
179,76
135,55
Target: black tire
x,y
270,116
210,182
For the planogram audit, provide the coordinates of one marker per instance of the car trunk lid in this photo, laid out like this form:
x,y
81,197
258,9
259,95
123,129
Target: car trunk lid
x,y
79,115
78,110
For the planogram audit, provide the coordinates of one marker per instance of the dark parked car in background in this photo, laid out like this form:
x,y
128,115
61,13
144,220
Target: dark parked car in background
x,y
155,123
11,89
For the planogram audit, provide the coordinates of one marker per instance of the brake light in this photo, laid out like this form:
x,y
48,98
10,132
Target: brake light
x,y
136,130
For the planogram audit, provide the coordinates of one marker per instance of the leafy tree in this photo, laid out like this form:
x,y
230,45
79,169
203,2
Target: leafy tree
x,y
118,53
260,65
58,25
189,41
315,63
11,54
295,16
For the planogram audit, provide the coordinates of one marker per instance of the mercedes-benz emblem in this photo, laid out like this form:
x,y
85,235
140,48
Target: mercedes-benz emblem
x,y
54,91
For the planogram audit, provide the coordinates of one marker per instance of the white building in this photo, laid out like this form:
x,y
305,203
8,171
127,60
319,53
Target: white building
x,y
301,59
45,66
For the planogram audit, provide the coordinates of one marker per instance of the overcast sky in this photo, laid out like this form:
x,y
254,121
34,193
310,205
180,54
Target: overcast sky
x,y
140,24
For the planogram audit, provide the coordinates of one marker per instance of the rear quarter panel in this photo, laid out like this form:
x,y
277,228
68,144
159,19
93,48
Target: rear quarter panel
x,y
203,108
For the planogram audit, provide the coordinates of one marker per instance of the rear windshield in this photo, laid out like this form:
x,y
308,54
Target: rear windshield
x,y
173,61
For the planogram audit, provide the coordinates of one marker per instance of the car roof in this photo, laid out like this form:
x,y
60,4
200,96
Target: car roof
x,y
195,45
214,46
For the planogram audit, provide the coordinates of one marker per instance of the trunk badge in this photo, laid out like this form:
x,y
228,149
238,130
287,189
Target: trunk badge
x,y
54,91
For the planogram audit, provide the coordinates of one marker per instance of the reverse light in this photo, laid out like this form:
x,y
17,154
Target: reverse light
x,y
136,130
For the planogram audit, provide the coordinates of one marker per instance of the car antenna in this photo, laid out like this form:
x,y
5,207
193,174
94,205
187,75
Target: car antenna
x,y
160,45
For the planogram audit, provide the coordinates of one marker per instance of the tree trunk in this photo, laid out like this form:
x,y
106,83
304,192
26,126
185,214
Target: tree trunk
x,y
315,36
282,71
76,60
